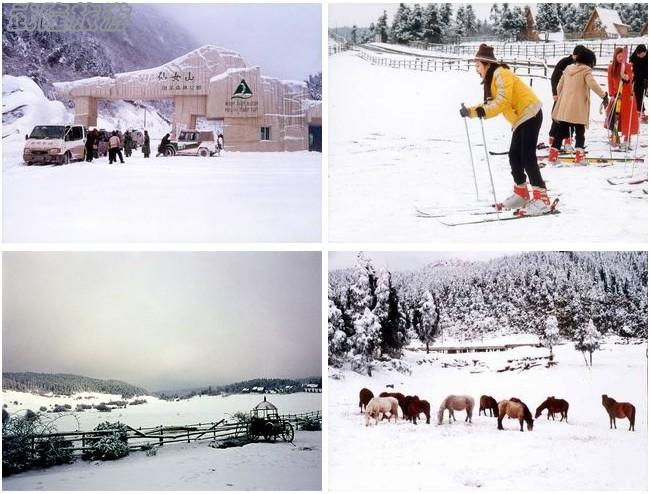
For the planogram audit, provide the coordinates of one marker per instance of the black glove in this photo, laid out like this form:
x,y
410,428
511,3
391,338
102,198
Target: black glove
x,y
605,100
480,112
464,112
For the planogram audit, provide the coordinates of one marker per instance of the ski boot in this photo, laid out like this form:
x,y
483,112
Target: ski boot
x,y
567,147
551,140
553,156
644,118
517,200
580,156
540,204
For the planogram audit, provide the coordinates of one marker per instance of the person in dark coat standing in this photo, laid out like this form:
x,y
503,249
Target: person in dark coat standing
x,y
90,143
146,145
555,80
163,145
639,61
128,144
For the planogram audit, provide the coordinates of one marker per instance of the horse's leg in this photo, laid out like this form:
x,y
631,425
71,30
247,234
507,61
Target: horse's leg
x,y
500,422
521,425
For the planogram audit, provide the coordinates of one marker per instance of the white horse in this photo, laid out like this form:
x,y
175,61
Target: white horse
x,y
378,407
453,402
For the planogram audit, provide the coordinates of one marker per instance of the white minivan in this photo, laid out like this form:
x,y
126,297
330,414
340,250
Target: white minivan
x,y
58,144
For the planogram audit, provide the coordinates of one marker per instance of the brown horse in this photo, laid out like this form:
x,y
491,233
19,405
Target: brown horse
x,y
488,403
453,402
553,405
618,410
415,407
365,395
515,409
400,399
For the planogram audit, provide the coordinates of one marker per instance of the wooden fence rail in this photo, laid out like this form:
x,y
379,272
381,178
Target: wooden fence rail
x,y
145,437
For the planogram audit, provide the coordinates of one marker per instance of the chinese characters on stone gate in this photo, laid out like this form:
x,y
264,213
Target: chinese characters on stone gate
x,y
241,106
68,17
178,82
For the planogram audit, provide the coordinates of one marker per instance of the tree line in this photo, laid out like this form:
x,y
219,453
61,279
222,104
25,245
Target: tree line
x,y
581,296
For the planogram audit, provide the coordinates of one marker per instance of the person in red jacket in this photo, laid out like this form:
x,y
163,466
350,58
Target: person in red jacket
x,y
622,115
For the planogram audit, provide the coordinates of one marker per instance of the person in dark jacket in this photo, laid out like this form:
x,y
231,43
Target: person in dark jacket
x,y
163,145
555,80
146,145
128,144
639,61
90,144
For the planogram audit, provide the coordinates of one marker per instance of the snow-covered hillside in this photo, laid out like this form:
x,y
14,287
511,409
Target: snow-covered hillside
x,y
236,197
583,454
155,412
401,142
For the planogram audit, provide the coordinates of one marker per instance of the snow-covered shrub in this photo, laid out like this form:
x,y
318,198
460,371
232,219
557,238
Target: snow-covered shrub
x,y
587,340
310,424
150,449
240,417
109,446
102,407
22,451
59,409
43,409
398,365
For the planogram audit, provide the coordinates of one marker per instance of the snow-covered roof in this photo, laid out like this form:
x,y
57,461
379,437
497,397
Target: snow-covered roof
x,y
265,405
609,19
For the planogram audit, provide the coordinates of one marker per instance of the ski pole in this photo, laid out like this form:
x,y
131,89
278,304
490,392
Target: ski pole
x,y
487,158
636,146
471,155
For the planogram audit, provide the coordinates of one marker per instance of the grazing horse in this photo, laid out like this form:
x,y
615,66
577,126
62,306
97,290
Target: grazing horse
x,y
453,402
400,399
515,409
618,410
488,403
415,407
377,409
365,395
553,405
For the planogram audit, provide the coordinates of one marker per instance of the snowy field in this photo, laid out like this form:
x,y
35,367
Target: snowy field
x,y
157,412
259,466
195,466
581,455
237,197
401,143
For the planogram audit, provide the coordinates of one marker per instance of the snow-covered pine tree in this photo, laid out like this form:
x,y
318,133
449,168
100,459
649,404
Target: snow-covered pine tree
x,y
389,315
429,325
361,295
495,18
459,24
382,27
315,86
365,342
336,337
513,22
548,17
432,31
587,340
551,334
471,22
400,31
416,22
446,14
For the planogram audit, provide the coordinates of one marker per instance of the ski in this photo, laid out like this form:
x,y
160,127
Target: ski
x,y
627,180
516,215
437,212
592,160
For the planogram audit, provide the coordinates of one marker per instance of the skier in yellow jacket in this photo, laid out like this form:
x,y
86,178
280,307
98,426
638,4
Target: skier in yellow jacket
x,y
504,92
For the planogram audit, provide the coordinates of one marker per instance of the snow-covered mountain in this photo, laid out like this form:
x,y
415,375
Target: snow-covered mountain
x,y
150,39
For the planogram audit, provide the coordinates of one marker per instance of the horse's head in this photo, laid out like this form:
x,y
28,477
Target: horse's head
x,y
529,424
538,412
441,412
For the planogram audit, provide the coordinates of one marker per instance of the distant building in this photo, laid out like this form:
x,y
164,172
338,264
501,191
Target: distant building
x,y
245,390
312,388
605,23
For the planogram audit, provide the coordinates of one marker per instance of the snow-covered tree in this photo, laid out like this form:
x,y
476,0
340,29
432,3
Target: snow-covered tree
x,y
400,31
459,24
416,22
548,17
429,324
513,21
446,19
365,342
353,34
362,293
495,17
471,22
315,86
551,334
337,339
431,30
382,27
587,340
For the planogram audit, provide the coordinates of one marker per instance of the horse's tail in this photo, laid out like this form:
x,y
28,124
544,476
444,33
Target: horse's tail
x,y
632,417
471,402
441,410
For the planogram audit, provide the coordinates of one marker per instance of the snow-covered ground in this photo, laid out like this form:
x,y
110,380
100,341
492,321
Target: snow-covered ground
x,y
238,197
397,141
156,412
583,454
259,466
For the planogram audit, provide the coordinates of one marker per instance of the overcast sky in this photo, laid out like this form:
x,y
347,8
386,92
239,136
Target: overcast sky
x,y
163,320
402,261
362,14
283,39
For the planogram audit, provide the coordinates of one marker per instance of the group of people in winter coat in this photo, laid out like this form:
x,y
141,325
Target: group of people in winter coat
x,y
571,83
98,144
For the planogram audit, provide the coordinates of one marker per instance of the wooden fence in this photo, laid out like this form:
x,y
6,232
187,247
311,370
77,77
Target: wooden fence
x,y
146,437
523,67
